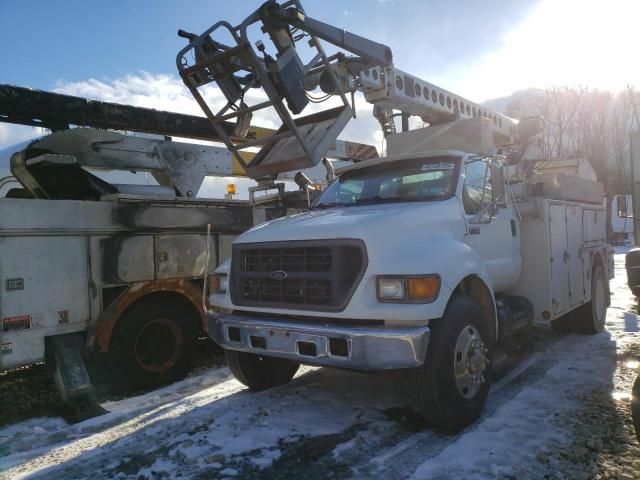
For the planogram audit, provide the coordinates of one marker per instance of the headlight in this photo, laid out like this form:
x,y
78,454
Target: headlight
x,y
218,283
391,288
409,289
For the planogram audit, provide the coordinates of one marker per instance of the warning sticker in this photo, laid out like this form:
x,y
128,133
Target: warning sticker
x,y
6,348
20,322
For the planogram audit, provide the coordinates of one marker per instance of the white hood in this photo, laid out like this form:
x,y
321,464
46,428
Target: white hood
x,y
378,225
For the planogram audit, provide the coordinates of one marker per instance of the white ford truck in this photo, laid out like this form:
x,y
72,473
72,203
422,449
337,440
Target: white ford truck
x,y
426,261
437,258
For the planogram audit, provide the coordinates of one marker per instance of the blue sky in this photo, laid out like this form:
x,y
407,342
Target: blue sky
x,y
43,43
124,51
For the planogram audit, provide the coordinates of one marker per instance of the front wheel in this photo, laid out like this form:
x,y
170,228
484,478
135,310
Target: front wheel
x,y
453,383
259,372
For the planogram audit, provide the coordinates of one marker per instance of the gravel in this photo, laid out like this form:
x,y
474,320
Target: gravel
x,y
30,391
603,442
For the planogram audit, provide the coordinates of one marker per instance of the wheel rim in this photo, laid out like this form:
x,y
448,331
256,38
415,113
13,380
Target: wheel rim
x,y
599,303
158,345
470,361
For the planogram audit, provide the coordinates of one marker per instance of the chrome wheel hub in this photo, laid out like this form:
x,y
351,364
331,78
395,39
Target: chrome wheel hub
x,y
470,361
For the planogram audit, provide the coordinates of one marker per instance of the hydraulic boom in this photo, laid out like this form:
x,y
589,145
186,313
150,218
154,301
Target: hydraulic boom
x,y
288,71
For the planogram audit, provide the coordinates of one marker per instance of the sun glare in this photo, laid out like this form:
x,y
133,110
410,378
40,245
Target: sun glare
x,y
563,42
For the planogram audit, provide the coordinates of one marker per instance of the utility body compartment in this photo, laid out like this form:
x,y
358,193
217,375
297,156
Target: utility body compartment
x,y
560,242
64,263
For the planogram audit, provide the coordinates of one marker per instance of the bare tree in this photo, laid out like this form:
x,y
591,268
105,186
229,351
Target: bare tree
x,y
588,123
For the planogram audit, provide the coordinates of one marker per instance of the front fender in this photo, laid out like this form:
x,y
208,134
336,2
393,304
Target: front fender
x,y
452,259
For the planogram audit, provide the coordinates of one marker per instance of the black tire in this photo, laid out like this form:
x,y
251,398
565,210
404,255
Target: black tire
x,y
591,317
635,406
154,341
441,400
259,372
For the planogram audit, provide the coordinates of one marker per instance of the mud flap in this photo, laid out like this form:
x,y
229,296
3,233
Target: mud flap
x,y
72,378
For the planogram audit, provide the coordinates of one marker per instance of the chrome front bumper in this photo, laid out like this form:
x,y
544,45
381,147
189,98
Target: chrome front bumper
x,y
361,348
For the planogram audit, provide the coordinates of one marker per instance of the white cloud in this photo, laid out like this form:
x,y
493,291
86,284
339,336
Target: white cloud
x,y
167,92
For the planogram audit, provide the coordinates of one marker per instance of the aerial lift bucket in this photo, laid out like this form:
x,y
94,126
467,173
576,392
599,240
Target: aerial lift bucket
x,y
278,71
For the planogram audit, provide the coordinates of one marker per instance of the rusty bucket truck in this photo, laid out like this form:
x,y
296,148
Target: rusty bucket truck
x,y
115,267
436,258
109,266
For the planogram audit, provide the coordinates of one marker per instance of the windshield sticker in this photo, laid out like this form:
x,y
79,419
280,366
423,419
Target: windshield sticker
x,y
438,166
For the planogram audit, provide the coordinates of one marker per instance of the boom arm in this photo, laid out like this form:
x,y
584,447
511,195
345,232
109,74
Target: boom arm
x,y
301,141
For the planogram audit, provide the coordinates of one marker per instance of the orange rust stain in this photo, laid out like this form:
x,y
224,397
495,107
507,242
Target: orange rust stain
x,y
109,318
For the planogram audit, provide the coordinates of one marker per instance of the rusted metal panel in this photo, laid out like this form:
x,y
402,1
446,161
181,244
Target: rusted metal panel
x,y
136,291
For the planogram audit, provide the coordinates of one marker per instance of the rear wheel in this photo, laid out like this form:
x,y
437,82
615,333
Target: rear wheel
x,y
590,318
259,372
154,342
635,406
453,383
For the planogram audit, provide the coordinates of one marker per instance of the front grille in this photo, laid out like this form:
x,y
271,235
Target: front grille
x,y
315,275
311,292
303,259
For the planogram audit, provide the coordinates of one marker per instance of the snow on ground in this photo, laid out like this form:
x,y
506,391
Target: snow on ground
x,y
337,424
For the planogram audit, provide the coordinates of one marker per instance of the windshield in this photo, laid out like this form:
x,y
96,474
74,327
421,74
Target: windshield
x,y
413,180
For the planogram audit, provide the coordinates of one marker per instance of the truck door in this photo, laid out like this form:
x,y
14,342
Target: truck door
x,y
559,258
492,229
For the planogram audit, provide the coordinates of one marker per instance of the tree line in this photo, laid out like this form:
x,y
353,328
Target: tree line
x,y
581,122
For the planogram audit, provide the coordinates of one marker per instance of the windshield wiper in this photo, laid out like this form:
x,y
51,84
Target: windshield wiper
x,y
379,199
331,205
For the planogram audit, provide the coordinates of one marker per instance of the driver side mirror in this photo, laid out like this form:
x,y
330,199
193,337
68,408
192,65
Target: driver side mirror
x,y
484,215
621,202
481,217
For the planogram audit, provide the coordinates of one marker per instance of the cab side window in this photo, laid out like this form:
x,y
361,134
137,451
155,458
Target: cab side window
x,y
498,184
477,191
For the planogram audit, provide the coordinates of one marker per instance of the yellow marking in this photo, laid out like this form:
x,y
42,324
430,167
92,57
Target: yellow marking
x,y
236,169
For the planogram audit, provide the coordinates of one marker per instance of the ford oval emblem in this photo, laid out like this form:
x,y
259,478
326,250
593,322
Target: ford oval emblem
x,y
278,275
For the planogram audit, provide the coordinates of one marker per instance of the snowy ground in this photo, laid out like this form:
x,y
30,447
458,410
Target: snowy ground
x,y
563,412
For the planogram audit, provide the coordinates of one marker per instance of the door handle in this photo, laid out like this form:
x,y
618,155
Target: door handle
x,y
565,256
474,230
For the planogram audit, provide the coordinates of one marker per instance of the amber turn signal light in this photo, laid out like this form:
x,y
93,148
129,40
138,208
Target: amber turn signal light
x,y
423,289
214,284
